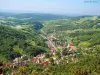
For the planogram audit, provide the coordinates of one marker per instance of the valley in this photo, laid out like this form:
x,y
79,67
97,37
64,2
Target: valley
x,y
44,44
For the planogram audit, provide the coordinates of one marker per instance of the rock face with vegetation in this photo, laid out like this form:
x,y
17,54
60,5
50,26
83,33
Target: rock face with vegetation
x,y
43,44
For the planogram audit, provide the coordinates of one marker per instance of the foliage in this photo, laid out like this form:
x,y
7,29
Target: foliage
x,y
13,43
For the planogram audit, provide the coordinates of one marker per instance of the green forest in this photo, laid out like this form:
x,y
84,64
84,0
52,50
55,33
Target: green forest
x,y
46,44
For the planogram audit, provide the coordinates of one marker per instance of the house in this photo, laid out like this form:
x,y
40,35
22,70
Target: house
x,y
45,62
36,60
41,56
72,46
23,60
39,61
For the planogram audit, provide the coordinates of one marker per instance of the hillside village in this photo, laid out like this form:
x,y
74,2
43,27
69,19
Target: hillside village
x,y
58,47
52,46
41,58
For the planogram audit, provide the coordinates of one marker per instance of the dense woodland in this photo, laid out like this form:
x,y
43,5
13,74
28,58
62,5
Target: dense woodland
x,y
20,34
22,39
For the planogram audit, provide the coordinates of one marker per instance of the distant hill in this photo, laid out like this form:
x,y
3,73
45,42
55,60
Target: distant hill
x,y
6,14
72,23
33,16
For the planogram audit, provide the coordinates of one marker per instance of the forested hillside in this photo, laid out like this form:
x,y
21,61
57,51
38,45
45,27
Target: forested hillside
x,y
14,43
42,44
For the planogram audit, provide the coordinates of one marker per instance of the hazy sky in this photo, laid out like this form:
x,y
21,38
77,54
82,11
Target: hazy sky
x,y
52,6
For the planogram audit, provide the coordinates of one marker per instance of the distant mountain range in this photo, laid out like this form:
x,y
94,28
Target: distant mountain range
x,y
34,16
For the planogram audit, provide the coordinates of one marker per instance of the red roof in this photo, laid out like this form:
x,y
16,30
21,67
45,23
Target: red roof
x,y
71,44
45,62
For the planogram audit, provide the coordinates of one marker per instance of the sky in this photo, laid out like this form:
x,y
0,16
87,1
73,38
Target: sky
x,y
91,7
